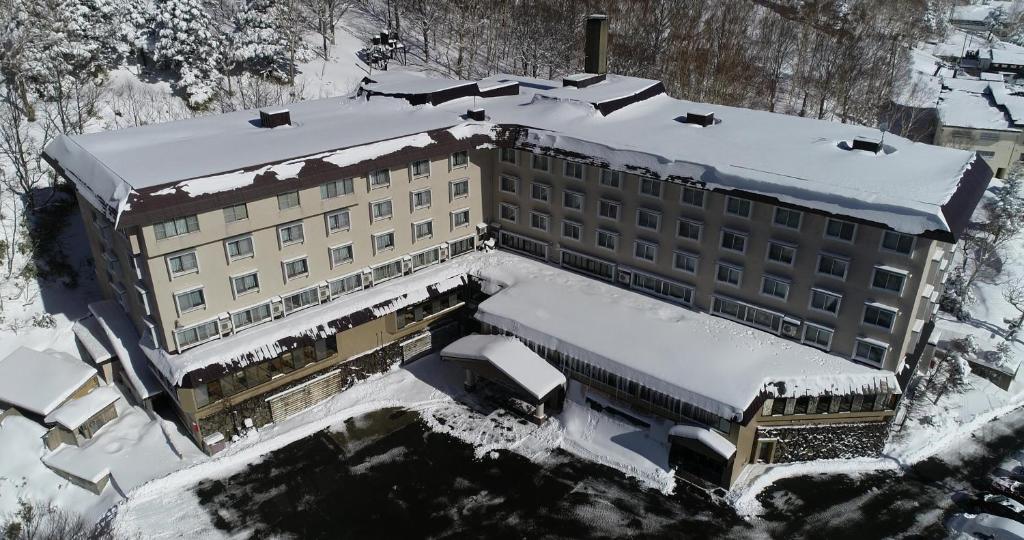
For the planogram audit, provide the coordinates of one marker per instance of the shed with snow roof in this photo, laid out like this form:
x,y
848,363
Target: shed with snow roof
x,y
77,420
37,383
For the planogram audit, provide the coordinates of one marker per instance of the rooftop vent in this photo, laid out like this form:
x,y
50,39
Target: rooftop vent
x,y
476,114
274,118
582,80
868,144
700,119
596,48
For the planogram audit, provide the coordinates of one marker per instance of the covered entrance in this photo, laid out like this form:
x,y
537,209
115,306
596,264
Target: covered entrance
x,y
701,452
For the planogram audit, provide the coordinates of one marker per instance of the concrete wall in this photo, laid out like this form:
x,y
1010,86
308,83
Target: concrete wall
x,y
1007,147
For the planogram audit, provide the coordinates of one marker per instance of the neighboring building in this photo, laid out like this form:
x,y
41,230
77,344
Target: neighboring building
x,y
973,17
985,117
269,260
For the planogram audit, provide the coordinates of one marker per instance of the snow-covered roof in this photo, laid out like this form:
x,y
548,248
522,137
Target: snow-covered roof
x,y
93,338
715,364
624,123
512,358
974,104
1013,57
39,382
972,13
711,439
123,338
76,412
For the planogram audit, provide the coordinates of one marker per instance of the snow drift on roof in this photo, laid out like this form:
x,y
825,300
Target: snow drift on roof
x,y
93,338
512,358
39,382
76,412
123,339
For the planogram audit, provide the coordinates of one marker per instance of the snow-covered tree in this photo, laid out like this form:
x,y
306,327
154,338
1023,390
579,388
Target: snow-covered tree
x,y
186,41
1013,293
266,39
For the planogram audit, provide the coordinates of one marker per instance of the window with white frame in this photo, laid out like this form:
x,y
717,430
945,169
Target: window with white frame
x,y
607,239
508,155
776,287
381,210
648,219
508,184
302,299
734,241
781,253
650,187
508,212
288,200
336,188
251,316
540,192
689,229
194,335
422,229
870,351
737,206
785,217
383,241
176,227
879,315
572,230
898,242
182,263
539,162
459,159
420,199
611,178
573,170
380,178
291,234
889,279
460,218
840,230
386,271
239,248
346,284
426,258
339,221
190,300
662,287
646,251
608,209
296,268
539,221
818,336
572,200
461,246
830,265
420,168
685,262
729,274
341,255
245,283
235,212
459,188
826,301
692,196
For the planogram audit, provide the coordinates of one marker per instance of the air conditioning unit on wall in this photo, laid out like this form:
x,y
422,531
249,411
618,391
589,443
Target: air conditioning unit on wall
x,y
225,326
277,307
325,292
791,328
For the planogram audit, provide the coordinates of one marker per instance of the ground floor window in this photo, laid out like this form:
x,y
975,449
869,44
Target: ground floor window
x,y
413,314
523,244
251,316
426,258
346,284
670,290
588,265
301,300
463,245
194,335
747,314
387,271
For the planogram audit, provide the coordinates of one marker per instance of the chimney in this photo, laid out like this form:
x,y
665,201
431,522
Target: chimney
x,y
700,119
867,144
273,118
476,114
596,49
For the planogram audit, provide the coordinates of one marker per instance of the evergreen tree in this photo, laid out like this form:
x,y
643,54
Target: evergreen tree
x,y
264,38
186,42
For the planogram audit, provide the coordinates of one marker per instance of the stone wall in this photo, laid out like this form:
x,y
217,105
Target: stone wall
x,y
826,441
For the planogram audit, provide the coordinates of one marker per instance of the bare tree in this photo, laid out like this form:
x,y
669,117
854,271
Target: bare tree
x,y
1013,293
322,17
22,145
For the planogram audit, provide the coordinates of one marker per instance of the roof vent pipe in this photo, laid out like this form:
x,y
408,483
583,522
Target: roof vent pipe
x,y
275,117
596,48
476,114
700,119
866,144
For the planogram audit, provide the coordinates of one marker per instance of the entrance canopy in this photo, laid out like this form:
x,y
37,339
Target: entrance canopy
x,y
512,358
709,438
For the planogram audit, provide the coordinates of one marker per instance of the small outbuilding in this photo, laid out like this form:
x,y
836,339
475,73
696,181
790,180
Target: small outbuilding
x,y
79,419
37,383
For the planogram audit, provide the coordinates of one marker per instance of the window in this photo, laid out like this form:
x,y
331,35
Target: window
x,y
291,234
828,302
539,162
870,351
236,212
194,335
190,300
346,284
646,251
288,200
648,219
176,227
689,229
423,229
508,155
818,336
182,263
607,240
246,283
381,210
540,192
734,241
336,188
420,199
508,184
573,170
458,247
380,178
384,241
251,316
830,265
301,299
523,244
889,279
898,242
878,315
772,286
296,268
611,178
341,255
781,253
988,154
737,206
572,230
459,159
842,230
240,248
685,262
426,258
508,212
338,221
588,265
662,287
729,274
650,187
460,218
572,200
459,188
787,218
747,314
420,168
387,271
539,221
693,197
608,209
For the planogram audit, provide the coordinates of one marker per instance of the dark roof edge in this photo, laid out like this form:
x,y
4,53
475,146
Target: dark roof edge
x,y
969,191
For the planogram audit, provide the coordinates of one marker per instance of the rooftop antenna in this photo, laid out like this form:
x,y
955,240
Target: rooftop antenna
x,y
883,126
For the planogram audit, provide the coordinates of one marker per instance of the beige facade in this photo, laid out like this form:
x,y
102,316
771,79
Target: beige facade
x,y
1001,149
